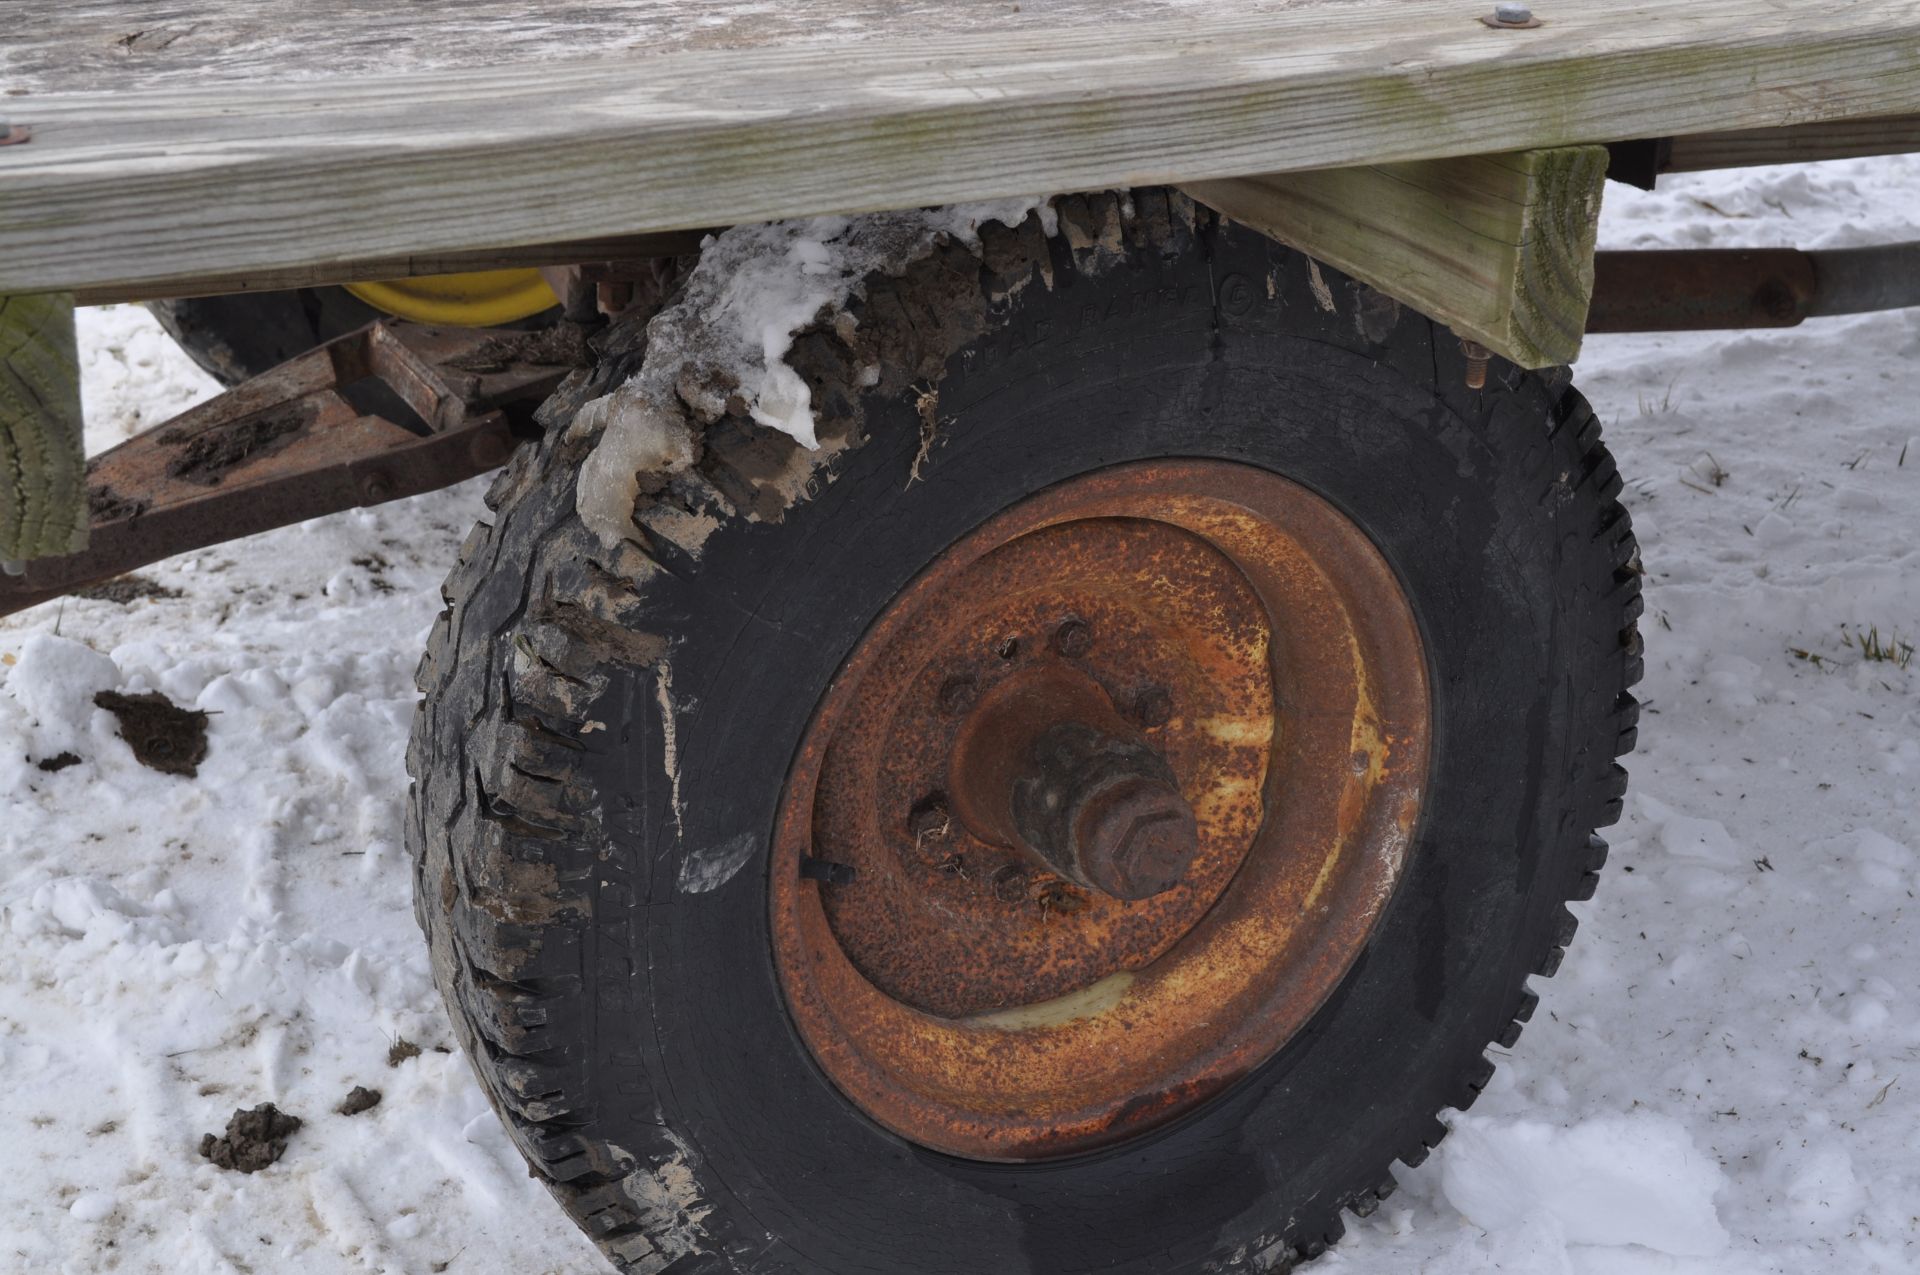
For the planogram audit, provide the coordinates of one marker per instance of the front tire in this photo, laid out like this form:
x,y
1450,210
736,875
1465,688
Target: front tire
x,y
600,757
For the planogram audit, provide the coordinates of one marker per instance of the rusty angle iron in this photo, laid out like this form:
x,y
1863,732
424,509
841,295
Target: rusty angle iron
x,y
288,445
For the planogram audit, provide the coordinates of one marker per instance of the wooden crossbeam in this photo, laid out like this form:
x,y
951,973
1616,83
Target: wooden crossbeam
x,y
43,499
573,252
1497,247
1798,144
269,159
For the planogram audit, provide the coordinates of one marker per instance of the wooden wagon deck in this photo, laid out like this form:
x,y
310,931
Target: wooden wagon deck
x,y
237,138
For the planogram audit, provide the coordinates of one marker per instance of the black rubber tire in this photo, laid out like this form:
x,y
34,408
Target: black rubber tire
x,y
242,335
633,1034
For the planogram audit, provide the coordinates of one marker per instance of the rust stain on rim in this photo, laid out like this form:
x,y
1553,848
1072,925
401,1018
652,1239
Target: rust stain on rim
x,y
976,1003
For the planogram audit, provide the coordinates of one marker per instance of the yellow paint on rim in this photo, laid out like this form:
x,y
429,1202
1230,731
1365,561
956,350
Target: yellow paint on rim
x,y
478,299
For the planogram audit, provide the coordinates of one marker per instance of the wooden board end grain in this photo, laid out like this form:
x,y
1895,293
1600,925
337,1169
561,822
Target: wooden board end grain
x,y
1498,247
43,497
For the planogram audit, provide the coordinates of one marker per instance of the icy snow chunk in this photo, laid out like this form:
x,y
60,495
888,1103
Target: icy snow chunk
x,y
1632,1179
93,1206
57,678
726,338
1687,837
78,907
636,438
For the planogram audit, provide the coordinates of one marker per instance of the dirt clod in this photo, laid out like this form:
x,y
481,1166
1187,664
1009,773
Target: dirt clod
x,y
254,1139
59,761
358,1100
123,590
562,345
400,1051
206,456
163,735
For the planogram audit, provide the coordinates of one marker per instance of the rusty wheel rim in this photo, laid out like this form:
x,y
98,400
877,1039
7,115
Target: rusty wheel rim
x,y
988,1003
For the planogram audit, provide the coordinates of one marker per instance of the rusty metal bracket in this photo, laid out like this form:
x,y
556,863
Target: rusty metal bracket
x,y
288,445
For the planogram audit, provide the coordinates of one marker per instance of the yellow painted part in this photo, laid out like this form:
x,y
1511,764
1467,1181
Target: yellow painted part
x,y
480,299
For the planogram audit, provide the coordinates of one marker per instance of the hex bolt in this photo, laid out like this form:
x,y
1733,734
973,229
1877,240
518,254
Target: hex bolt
x,y
376,487
1073,639
1046,765
1137,838
1477,356
1513,13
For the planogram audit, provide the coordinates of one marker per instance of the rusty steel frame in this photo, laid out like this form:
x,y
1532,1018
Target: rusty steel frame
x,y
288,445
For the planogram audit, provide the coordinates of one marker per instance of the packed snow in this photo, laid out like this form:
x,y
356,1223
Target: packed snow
x,y
1724,1078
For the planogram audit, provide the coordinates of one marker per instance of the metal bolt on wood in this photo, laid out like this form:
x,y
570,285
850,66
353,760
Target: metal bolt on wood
x,y
1511,16
1477,358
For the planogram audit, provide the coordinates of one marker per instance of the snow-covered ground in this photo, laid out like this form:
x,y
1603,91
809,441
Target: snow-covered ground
x,y
1724,1078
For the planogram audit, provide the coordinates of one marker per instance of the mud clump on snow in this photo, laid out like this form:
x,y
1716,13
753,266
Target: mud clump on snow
x,y
127,589
59,761
400,1051
358,1100
163,736
253,1140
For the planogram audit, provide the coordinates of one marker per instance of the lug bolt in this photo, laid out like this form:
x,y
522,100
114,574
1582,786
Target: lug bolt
x,y
1153,707
956,693
1010,883
1073,639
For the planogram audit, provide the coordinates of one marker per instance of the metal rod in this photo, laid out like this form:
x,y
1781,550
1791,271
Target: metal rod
x,y
1687,290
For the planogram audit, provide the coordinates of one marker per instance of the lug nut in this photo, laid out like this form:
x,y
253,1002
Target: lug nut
x,y
1010,883
1153,707
1073,639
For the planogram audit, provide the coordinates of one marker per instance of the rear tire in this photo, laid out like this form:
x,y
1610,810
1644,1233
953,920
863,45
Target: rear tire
x,y
605,736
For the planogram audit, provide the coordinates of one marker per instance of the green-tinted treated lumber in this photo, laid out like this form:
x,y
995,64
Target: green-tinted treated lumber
x,y
1497,247
211,153
43,490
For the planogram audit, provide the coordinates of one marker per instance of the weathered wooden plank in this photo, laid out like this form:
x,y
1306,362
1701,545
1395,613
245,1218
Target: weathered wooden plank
x,y
622,248
1498,247
116,188
116,45
1799,144
43,499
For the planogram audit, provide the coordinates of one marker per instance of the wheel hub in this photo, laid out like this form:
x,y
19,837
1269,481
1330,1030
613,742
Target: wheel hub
x,y
1115,792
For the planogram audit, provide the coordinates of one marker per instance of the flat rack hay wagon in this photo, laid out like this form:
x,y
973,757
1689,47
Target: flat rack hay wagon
x,y
1061,753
